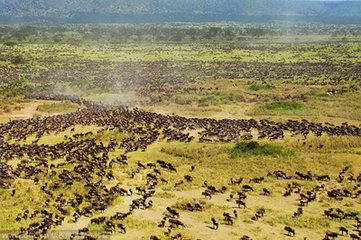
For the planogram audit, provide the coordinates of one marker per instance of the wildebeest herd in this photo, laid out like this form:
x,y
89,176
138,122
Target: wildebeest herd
x,y
89,164
167,77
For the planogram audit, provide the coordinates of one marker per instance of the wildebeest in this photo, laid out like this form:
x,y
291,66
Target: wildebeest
x,y
215,224
290,231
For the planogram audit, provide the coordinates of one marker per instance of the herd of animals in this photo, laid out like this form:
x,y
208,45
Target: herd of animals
x,y
88,162
167,77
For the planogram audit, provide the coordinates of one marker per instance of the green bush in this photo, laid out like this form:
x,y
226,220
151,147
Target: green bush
x,y
279,107
254,148
64,107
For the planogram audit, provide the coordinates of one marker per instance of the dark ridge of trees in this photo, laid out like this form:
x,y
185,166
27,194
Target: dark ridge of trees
x,y
124,33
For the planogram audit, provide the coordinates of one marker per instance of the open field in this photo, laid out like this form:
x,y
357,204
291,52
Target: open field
x,y
283,119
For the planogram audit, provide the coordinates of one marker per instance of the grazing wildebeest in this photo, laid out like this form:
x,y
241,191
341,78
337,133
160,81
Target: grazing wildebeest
x,y
236,181
235,213
245,237
122,228
215,224
260,213
298,213
97,220
207,194
290,231
265,192
323,178
177,223
354,236
331,235
83,230
154,238
257,180
343,230
173,212
227,218
247,187
240,203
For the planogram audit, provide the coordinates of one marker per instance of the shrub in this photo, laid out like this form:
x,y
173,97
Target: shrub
x,y
64,106
254,148
280,107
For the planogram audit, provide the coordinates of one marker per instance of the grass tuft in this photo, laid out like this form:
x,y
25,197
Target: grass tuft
x,y
302,222
254,148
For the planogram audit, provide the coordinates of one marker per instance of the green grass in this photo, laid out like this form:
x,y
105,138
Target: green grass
x,y
315,92
257,149
193,151
109,135
302,222
184,99
211,100
287,107
165,194
59,107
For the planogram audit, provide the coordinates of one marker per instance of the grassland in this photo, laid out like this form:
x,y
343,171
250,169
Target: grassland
x,y
260,81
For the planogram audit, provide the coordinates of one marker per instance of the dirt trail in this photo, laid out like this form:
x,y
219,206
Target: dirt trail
x,y
28,110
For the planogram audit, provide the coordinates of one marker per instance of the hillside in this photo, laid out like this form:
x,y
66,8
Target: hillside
x,y
176,10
